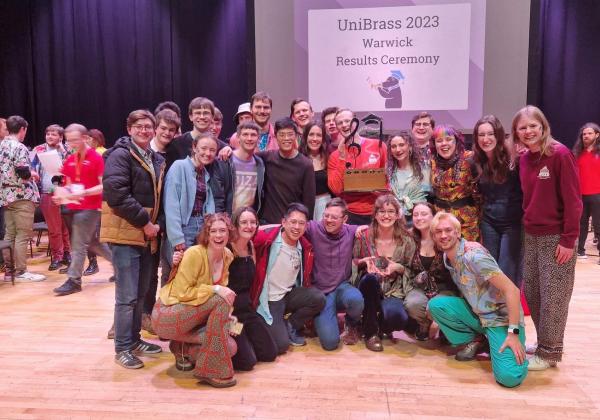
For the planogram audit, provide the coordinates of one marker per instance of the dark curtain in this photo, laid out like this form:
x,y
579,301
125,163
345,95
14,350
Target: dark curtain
x,y
94,61
564,75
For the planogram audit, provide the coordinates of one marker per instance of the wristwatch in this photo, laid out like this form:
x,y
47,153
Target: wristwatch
x,y
513,330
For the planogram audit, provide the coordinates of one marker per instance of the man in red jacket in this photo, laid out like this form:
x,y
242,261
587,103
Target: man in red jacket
x,y
281,285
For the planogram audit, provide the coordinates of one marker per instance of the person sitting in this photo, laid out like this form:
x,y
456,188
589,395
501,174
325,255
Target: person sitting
x,y
193,308
383,258
490,308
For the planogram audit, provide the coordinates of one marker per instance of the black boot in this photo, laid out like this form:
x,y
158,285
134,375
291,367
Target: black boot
x,y
92,267
66,260
68,287
54,265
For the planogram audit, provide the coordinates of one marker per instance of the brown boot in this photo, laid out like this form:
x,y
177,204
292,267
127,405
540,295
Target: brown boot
x,y
111,332
147,324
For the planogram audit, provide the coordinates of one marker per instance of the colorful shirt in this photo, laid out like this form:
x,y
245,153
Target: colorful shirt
x,y
14,154
473,269
456,192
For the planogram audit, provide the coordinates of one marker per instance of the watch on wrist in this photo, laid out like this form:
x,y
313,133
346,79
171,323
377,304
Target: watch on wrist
x,y
513,329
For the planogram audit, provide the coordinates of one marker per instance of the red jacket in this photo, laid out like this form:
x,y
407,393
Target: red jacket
x,y
262,244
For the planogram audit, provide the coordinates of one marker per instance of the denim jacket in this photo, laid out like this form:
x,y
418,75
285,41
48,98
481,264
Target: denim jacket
x,y
179,196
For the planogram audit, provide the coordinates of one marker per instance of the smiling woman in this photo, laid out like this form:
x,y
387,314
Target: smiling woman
x,y
453,179
383,263
193,308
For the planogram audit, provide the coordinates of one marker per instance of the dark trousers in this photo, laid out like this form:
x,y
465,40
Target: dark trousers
x,y
358,219
381,314
303,304
506,246
254,344
591,207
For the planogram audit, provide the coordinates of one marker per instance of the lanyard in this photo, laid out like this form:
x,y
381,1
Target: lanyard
x,y
78,164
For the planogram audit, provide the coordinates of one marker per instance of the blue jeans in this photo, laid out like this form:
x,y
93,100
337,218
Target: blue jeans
x,y
84,224
344,298
133,268
190,232
506,246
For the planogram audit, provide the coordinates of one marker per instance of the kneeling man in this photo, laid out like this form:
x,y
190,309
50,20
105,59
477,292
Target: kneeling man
x,y
282,283
490,309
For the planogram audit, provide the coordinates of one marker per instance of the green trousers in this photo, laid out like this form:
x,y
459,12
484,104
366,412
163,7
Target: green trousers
x,y
460,326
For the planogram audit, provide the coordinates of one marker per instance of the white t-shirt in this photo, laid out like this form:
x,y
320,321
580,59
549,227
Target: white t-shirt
x,y
284,272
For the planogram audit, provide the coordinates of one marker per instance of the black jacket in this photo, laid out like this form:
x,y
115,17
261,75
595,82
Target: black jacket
x,y
128,185
181,147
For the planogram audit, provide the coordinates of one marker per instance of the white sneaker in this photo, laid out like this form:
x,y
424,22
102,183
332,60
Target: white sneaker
x,y
537,363
29,277
531,348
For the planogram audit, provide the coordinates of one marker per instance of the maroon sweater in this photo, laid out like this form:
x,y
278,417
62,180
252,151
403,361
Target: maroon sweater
x,y
551,195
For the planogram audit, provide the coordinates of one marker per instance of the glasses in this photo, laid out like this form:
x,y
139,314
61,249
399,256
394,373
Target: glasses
x,y
422,124
387,212
202,113
331,217
140,127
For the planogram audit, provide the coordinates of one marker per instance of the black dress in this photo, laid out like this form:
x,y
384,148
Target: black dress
x,y
255,342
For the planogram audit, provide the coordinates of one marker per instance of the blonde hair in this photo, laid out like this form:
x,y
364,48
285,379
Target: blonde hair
x,y
442,215
547,142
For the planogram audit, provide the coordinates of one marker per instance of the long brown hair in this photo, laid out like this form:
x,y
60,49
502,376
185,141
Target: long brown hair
x,y
400,231
495,169
578,148
414,158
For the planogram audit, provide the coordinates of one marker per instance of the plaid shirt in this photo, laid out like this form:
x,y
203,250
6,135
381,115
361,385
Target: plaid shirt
x,y
14,154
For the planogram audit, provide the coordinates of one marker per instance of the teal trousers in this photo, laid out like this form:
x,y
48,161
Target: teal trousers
x,y
460,326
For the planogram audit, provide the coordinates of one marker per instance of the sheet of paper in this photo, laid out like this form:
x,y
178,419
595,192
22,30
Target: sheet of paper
x,y
51,162
61,195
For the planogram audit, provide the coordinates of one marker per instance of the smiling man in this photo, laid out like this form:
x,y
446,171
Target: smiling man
x,y
132,178
490,309
201,113
289,175
422,126
333,242
284,261
167,126
261,106
372,156
244,172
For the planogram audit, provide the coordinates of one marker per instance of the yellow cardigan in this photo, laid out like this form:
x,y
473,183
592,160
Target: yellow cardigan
x,y
193,284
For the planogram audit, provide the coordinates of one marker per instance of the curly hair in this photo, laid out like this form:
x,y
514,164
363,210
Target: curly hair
x,y
414,156
209,220
578,148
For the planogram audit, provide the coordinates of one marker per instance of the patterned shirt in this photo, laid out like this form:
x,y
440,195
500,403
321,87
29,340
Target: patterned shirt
x,y
200,192
14,154
472,272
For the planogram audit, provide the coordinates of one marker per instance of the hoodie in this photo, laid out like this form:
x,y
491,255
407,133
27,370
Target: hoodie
x,y
333,255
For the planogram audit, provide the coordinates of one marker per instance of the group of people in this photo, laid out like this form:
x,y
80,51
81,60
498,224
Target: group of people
x,y
259,239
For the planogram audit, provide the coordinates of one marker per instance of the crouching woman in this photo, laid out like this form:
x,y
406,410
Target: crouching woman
x,y
193,309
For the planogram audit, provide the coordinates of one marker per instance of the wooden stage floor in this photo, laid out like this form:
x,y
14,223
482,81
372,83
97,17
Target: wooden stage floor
x,y
55,362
